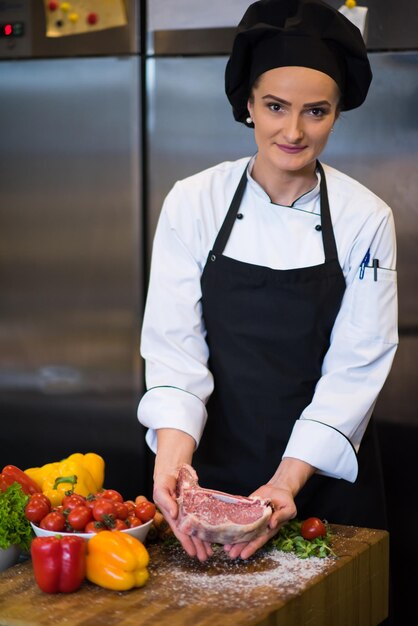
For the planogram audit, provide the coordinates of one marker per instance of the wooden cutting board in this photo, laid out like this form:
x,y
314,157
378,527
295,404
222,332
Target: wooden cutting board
x,y
270,589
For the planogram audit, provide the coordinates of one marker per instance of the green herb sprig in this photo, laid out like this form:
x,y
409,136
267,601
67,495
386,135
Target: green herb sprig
x,y
15,529
289,539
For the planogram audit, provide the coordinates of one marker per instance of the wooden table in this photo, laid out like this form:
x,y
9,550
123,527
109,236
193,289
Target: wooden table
x,y
349,590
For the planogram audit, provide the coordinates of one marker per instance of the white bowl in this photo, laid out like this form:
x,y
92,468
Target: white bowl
x,y
139,532
9,557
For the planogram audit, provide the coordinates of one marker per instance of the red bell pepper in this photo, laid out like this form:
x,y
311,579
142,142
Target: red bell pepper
x,y
59,563
12,474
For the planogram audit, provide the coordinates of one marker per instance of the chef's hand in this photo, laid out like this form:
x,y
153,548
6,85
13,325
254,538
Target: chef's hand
x,y
165,498
175,447
284,510
281,490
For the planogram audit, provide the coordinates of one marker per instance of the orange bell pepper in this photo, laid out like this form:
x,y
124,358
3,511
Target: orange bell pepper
x,y
116,560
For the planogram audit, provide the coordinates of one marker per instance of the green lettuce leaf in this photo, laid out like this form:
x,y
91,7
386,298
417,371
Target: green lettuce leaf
x,y
15,529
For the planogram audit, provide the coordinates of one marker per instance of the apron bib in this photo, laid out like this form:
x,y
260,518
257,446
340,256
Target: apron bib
x,y
268,332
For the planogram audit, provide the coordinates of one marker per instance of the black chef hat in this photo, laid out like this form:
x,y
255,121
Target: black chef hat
x,y
306,33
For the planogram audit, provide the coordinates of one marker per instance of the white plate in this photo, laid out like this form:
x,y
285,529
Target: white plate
x,y
139,532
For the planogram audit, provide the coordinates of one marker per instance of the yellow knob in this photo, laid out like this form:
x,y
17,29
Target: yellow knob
x,y
350,3
65,7
73,17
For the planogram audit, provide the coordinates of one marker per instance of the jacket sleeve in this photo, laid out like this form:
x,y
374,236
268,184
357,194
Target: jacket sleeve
x,y
173,342
363,344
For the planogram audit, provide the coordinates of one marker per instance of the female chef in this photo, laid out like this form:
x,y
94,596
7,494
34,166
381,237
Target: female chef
x,y
271,317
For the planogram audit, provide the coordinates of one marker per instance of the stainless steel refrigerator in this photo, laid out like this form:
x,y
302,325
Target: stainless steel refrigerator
x,y
71,244
190,127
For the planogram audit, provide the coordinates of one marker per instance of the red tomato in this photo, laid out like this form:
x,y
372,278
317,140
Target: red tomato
x,y
94,527
53,521
90,502
312,528
102,509
110,494
131,505
41,496
133,521
70,502
122,510
36,509
120,524
145,511
79,517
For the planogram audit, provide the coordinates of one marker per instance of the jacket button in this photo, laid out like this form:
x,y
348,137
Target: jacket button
x,y
318,227
213,257
239,216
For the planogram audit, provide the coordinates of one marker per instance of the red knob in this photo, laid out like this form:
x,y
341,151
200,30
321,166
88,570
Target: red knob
x,y
52,6
92,19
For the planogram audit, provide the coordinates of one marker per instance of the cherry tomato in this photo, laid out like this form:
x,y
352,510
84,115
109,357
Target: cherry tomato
x,y
312,528
79,517
36,509
53,521
110,494
133,521
94,527
120,524
122,510
70,502
90,502
131,505
102,509
145,511
41,496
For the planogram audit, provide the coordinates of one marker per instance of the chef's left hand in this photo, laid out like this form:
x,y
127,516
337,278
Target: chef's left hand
x,y
284,510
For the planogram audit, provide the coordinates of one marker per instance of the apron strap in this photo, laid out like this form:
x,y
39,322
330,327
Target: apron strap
x,y
328,239
226,228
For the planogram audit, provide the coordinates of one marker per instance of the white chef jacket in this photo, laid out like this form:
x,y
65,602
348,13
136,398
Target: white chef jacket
x,y
364,338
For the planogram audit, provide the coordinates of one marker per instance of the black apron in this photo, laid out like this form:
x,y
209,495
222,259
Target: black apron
x,y
268,331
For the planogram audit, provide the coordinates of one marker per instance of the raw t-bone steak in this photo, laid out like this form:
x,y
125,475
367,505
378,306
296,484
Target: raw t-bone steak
x,y
215,516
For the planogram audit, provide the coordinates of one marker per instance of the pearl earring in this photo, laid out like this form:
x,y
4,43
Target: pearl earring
x,y
249,120
332,129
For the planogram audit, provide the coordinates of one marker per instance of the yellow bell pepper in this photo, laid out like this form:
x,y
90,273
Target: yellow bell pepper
x,y
94,464
80,473
116,560
54,496
38,474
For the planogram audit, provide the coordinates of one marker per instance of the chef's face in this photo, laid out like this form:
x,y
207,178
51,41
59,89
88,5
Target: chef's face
x,y
293,110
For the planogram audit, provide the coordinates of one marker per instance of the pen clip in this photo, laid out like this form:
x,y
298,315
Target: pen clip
x,y
375,266
364,263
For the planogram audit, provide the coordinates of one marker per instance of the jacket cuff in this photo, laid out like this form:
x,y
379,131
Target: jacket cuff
x,y
323,447
171,407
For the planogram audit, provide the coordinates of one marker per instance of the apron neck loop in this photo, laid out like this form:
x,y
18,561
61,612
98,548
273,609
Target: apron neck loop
x,y
225,231
328,239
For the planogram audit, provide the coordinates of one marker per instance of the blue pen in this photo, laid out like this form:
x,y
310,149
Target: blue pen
x,y
364,263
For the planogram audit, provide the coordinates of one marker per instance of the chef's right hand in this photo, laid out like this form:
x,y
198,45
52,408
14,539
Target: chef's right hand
x,y
165,499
